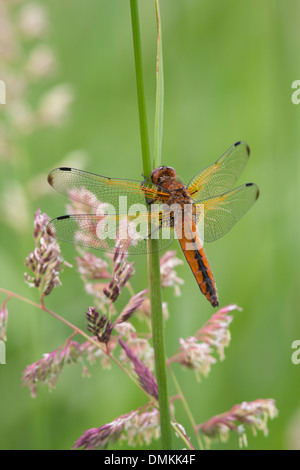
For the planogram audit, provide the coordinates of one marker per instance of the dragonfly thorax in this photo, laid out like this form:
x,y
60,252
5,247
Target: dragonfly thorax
x,y
163,174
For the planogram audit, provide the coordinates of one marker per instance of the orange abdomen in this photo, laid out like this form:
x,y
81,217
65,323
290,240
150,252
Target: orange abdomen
x,y
198,262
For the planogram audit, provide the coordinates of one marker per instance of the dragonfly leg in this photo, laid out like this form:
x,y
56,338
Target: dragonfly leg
x,y
143,183
153,231
146,180
149,201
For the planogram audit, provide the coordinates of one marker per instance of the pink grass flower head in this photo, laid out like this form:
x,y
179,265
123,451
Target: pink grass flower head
x,y
125,330
122,272
92,268
95,274
93,353
145,309
3,322
145,376
134,304
94,271
140,347
198,352
100,326
41,62
82,201
47,370
253,415
45,261
216,332
169,278
33,20
195,355
137,427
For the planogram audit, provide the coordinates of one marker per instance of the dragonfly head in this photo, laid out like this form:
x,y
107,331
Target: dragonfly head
x,y
162,174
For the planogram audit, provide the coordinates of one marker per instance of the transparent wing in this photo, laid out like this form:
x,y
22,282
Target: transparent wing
x,y
222,212
105,232
91,189
222,175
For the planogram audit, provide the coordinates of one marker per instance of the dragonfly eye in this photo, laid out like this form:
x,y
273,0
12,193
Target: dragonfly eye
x,y
162,173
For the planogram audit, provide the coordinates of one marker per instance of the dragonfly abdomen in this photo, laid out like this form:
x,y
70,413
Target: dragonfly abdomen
x,y
198,262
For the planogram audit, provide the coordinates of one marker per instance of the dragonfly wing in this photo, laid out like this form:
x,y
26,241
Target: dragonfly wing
x,y
104,232
222,212
91,189
222,175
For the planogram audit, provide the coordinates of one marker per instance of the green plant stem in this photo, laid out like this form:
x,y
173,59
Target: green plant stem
x,y
159,105
186,407
140,87
159,347
153,260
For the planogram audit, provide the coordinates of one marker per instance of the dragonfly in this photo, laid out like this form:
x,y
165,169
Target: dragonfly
x,y
115,208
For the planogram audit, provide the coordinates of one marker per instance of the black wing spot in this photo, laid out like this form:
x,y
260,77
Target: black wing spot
x,y
63,217
247,146
257,193
65,168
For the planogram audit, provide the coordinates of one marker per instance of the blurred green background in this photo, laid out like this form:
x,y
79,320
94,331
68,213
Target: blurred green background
x,y
228,70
